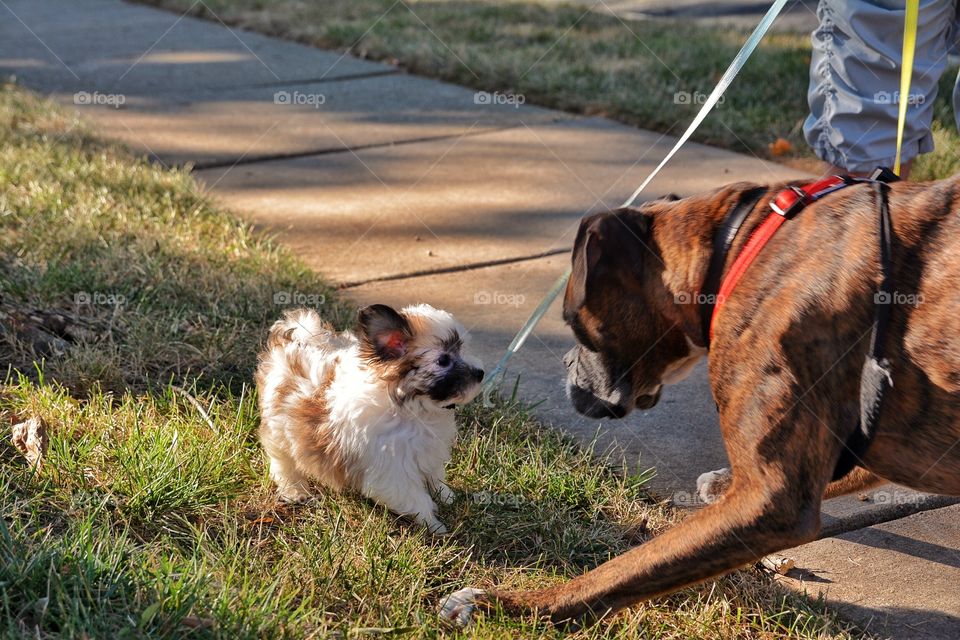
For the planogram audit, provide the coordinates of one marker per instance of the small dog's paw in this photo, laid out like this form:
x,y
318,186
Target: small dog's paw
x,y
711,485
445,494
292,497
435,527
459,606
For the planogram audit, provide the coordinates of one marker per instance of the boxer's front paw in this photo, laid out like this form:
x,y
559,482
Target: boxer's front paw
x,y
459,606
711,485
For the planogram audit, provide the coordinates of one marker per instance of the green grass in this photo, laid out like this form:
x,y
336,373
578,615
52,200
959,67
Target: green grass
x,y
152,516
565,57
163,284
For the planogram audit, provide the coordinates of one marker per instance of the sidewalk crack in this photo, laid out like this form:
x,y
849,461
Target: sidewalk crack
x,y
254,159
473,266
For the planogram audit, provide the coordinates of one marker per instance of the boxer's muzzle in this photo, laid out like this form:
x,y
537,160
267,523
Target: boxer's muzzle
x,y
596,392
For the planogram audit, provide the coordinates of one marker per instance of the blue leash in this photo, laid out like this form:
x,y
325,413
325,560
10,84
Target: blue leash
x,y
725,81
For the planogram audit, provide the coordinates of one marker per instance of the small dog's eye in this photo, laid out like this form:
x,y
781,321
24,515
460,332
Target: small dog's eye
x,y
443,360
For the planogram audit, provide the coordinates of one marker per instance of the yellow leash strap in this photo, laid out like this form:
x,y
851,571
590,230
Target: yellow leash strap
x,y
906,71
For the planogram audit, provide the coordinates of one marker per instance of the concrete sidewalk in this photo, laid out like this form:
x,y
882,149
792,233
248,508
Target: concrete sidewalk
x,y
404,189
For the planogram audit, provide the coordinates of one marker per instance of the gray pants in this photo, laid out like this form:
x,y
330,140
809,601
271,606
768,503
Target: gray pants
x,y
855,80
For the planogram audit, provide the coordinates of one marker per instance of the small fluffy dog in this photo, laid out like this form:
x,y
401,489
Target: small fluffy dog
x,y
370,411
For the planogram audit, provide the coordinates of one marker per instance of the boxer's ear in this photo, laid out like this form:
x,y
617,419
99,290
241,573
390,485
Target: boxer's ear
x,y
586,259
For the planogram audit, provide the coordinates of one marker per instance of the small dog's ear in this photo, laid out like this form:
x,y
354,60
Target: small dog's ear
x,y
384,330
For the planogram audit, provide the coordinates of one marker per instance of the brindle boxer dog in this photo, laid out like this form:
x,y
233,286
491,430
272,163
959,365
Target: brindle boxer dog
x,y
784,365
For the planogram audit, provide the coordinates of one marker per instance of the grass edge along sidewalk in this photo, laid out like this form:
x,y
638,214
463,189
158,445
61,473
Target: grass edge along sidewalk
x,y
653,74
132,310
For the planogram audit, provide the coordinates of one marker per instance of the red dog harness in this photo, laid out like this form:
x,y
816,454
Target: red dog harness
x,y
876,377
785,205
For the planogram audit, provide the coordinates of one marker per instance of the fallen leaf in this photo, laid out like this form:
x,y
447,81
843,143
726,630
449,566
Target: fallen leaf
x,y
30,439
778,564
780,147
262,521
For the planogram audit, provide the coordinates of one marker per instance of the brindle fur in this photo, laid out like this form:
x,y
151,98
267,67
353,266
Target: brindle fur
x,y
784,367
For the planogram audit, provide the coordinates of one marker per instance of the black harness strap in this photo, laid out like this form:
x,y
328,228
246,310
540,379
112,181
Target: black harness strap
x,y
722,241
876,378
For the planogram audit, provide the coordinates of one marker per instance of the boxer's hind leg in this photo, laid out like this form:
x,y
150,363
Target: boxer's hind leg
x,y
711,485
857,480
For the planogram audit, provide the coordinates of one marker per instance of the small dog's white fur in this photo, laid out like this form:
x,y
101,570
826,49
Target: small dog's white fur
x,y
369,411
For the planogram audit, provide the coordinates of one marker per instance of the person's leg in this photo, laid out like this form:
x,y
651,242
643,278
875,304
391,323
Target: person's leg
x,y
956,101
954,41
855,82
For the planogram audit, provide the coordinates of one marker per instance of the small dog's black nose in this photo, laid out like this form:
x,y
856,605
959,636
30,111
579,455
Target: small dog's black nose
x,y
477,374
